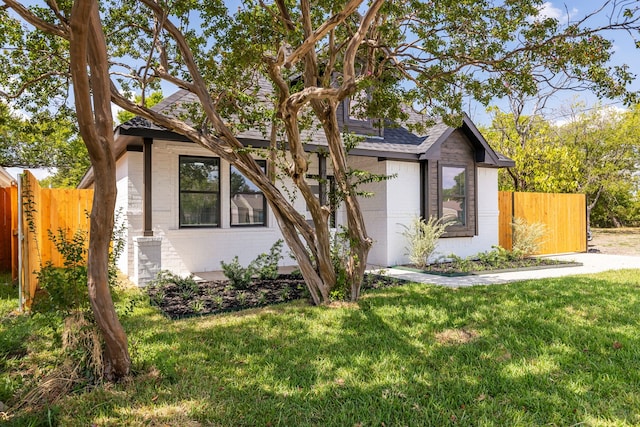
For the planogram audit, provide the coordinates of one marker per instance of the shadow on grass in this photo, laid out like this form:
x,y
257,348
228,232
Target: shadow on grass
x,y
545,352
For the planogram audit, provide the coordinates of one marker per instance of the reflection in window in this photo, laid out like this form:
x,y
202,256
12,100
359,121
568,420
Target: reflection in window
x,y
454,195
199,192
248,205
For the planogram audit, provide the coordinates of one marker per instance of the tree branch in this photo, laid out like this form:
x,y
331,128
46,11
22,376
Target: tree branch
x,y
310,42
40,24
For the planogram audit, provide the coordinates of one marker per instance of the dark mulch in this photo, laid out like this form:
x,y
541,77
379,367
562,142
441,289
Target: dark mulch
x,y
182,300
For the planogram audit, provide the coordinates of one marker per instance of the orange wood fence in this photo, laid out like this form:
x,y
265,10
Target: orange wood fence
x,y
47,210
564,216
9,230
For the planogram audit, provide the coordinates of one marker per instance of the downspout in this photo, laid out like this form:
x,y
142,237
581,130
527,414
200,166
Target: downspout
x,y
20,242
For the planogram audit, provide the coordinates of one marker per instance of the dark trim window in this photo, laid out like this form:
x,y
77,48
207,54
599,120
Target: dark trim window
x,y
248,204
199,191
453,196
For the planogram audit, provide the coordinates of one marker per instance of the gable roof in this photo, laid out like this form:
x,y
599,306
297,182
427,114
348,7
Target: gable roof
x,y
396,142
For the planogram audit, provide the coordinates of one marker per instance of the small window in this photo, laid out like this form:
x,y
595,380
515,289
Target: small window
x,y
453,206
199,192
248,204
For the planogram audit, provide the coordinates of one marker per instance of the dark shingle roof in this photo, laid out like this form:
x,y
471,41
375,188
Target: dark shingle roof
x,y
395,142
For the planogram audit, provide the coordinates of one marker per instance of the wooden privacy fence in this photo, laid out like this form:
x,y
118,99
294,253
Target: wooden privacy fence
x,y
564,216
45,209
9,230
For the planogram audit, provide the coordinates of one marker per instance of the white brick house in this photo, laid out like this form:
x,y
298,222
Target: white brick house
x,y
185,225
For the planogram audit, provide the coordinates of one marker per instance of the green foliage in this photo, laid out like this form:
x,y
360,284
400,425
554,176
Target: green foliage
x,y
149,101
497,257
527,237
165,277
63,290
594,152
508,365
239,276
266,264
339,257
422,238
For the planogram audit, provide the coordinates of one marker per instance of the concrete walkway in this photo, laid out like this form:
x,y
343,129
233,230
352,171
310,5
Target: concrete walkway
x,y
591,263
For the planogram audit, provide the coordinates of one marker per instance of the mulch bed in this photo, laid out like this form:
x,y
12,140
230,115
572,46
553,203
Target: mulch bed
x,y
213,297
474,267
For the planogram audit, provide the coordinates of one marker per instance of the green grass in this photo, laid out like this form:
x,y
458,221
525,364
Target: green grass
x,y
548,352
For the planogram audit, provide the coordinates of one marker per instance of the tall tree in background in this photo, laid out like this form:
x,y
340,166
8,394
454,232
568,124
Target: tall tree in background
x,y
391,55
605,152
595,152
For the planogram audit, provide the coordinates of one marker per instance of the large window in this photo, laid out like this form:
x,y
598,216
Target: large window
x,y
454,195
199,192
248,204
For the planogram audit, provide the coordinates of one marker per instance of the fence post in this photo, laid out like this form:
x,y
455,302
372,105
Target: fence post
x,y
21,275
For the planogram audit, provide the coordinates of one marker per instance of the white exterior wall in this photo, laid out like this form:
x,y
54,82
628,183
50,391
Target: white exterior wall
x,y
487,184
129,204
403,204
374,209
397,201
189,250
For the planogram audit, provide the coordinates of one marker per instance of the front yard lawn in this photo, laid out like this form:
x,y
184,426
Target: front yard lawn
x,y
559,351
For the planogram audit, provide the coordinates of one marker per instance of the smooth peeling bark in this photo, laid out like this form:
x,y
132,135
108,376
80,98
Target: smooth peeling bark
x,y
88,52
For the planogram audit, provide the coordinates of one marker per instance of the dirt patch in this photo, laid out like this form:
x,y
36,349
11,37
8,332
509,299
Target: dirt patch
x,y
456,336
619,241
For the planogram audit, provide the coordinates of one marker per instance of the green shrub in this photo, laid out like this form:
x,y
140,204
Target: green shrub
x,y
63,290
497,257
239,276
185,284
266,264
422,237
527,238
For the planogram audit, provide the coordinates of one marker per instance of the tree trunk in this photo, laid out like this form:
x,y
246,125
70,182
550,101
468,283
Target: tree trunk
x,y
92,100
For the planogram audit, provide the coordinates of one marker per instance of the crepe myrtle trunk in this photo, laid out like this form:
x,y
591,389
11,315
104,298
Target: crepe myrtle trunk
x,y
90,75
359,242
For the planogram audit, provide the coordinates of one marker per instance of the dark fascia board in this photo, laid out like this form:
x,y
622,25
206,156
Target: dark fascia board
x,y
474,134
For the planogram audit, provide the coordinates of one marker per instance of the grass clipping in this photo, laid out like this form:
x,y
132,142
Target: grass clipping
x,y
83,364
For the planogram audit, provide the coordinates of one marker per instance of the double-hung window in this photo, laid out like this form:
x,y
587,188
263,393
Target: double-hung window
x,y
248,204
199,191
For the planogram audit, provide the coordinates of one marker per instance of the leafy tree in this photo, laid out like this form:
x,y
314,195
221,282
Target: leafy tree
x,y
595,153
313,57
148,101
605,152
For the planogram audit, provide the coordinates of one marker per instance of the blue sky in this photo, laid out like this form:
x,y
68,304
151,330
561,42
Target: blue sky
x,y
625,52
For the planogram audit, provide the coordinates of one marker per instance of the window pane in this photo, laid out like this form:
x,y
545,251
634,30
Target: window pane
x,y
240,184
454,195
247,201
199,188
453,181
199,209
247,209
199,174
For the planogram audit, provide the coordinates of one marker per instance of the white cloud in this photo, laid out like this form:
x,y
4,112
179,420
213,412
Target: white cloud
x,y
548,10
